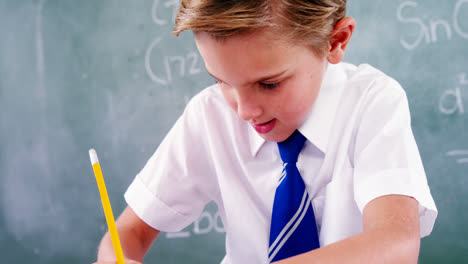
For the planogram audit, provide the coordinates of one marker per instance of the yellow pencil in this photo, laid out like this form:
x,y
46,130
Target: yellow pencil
x,y
107,207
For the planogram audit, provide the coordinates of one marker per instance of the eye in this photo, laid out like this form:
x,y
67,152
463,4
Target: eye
x,y
269,86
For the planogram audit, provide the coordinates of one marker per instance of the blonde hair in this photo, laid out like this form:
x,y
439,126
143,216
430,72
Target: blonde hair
x,y
309,22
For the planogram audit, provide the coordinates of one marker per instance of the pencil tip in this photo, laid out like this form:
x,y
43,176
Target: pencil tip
x,y
93,156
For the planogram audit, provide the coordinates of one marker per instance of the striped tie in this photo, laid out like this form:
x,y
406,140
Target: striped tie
x,y
293,229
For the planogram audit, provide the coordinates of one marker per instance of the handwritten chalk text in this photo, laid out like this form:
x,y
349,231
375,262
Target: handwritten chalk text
x,y
451,100
170,4
187,64
429,31
205,224
461,155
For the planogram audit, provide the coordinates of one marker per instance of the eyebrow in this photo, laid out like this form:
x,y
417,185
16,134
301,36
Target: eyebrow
x,y
261,79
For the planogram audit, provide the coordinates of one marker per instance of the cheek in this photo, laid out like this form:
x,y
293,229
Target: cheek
x,y
298,103
311,90
229,98
289,108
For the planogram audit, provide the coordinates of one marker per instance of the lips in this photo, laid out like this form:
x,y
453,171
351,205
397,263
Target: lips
x,y
264,127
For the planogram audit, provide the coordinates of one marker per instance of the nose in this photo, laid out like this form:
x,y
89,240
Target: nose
x,y
248,106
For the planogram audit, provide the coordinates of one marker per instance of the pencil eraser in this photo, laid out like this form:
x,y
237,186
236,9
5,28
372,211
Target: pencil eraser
x,y
93,156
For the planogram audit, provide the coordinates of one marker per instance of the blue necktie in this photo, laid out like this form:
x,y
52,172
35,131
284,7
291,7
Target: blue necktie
x,y
293,229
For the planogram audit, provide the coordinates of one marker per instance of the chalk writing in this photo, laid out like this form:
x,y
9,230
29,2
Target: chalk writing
x,y
188,64
462,77
181,234
203,225
461,155
40,49
170,4
428,31
451,100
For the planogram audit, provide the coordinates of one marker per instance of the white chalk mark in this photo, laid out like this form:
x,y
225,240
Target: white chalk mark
x,y
463,79
196,225
456,16
455,104
428,29
423,33
217,219
40,64
153,76
434,24
459,153
167,4
174,4
41,87
178,234
154,15
192,57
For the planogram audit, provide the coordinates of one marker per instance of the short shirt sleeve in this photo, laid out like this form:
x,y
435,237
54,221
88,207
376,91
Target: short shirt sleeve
x,y
387,160
172,189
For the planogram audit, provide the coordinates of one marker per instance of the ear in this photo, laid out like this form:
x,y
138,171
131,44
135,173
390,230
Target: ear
x,y
340,37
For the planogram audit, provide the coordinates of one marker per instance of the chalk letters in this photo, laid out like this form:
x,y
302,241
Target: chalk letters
x,y
430,30
451,100
205,224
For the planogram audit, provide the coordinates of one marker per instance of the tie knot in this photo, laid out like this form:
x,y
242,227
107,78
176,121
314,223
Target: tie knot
x,y
290,148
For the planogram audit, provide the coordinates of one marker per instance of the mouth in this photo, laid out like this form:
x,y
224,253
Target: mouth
x,y
264,128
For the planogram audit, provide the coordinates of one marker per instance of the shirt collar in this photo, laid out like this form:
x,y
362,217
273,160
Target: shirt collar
x,y
318,123
256,141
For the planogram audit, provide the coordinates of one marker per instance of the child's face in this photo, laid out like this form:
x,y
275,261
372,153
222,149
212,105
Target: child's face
x,y
270,83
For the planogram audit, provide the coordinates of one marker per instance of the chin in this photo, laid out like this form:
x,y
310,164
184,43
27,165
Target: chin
x,y
275,137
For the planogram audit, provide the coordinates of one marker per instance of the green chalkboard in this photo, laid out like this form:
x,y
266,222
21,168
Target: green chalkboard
x,y
108,74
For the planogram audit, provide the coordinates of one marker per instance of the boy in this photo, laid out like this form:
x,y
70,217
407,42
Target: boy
x,y
279,73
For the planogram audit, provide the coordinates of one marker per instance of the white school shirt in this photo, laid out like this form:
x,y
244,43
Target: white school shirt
x,y
359,146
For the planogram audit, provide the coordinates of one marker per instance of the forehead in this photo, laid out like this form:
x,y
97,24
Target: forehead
x,y
248,54
262,44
